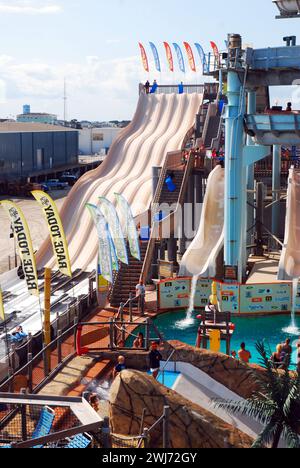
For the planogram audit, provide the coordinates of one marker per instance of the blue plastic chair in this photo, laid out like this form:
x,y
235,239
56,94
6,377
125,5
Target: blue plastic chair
x,y
81,441
44,425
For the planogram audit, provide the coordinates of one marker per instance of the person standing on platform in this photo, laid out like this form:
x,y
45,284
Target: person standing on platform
x,y
155,359
140,294
147,87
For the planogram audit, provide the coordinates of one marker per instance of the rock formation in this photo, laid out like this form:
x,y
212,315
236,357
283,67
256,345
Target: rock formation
x,y
233,374
189,426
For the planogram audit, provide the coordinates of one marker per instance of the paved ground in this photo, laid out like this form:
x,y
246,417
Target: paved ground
x,y
36,222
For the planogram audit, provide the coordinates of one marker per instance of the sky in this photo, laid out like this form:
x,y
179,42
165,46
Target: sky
x,y
94,45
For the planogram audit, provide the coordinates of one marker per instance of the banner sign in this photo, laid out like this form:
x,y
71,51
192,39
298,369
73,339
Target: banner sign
x,y
2,314
24,242
190,56
129,230
215,51
179,57
105,267
169,56
56,230
110,213
156,56
144,58
202,56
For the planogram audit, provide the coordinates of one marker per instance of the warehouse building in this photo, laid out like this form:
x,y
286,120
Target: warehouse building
x,y
27,148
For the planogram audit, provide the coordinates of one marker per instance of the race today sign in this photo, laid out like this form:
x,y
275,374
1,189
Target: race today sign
x,y
24,243
56,231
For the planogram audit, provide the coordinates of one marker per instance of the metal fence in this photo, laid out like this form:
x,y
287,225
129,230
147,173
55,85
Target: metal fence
x,y
31,421
27,365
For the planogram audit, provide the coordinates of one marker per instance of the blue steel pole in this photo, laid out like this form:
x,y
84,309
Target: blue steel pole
x,y
250,169
276,186
235,176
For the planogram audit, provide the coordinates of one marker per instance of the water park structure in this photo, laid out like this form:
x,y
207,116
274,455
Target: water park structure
x,y
196,204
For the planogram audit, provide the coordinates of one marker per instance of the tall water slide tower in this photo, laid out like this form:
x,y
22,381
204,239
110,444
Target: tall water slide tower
x,y
251,136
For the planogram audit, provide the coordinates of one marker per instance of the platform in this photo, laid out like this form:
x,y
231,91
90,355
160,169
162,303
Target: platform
x,y
264,270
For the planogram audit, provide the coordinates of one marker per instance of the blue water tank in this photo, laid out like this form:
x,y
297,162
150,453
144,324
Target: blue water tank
x,y
26,109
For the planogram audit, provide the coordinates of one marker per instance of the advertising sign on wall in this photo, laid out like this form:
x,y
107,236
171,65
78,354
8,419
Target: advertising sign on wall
x,y
174,294
228,297
260,298
203,292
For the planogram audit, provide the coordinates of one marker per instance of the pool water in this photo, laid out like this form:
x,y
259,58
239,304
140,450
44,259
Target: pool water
x,y
248,330
169,378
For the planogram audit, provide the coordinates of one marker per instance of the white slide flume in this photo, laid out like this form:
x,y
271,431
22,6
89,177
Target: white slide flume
x,y
201,256
159,126
289,267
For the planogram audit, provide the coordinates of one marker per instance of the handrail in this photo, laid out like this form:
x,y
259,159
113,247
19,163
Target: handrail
x,y
151,244
162,371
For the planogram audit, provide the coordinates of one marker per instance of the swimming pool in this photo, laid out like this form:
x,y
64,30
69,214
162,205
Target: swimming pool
x,y
169,379
248,329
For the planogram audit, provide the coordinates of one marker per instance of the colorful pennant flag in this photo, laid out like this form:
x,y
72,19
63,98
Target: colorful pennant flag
x,y
144,58
179,57
156,56
169,56
24,243
190,56
129,228
56,231
202,56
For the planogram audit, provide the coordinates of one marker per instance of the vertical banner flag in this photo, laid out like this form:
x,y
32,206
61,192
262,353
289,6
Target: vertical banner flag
x,y
190,56
215,51
24,242
130,228
202,56
112,218
105,263
169,56
144,58
56,230
180,57
156,56
2,314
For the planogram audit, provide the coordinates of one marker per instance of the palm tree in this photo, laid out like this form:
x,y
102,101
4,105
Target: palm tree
x,y
275,404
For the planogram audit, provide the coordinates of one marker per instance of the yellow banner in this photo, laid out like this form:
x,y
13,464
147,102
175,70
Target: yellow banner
x,y
2,313
56,230
24,242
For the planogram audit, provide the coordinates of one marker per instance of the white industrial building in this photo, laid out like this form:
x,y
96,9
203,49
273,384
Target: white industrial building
x,y
97,140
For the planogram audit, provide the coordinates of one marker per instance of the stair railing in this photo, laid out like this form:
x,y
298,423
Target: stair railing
x,y
156,227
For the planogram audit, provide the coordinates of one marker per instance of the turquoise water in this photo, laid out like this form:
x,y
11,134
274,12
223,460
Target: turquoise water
x,y
250,330
169,378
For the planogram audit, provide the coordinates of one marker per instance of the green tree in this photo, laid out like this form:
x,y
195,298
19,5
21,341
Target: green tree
x,y
275,404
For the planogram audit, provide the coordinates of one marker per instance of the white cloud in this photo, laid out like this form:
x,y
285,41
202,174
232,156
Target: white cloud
x,y
29,7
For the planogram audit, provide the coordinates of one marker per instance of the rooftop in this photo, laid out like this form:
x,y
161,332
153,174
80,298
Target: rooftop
x,y
20,127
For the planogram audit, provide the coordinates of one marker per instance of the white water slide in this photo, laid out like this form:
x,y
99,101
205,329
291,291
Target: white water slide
x,y
201,256
160,125
289,267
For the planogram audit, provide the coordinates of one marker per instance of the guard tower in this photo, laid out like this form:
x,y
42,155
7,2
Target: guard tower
x,y
250,135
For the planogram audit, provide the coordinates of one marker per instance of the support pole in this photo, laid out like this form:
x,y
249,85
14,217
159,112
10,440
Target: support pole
x,y
259,218
235,177
276,186
47,325
250,172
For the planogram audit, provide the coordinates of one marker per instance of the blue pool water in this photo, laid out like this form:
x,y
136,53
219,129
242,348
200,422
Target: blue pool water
x,y
169,378
249,330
